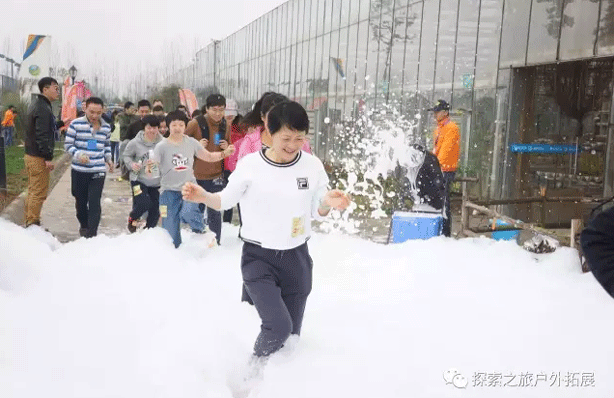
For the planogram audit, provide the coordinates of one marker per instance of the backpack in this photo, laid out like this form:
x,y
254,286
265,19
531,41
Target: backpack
x,y
204,126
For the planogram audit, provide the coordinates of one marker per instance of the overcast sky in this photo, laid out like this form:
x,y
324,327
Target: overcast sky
x,y
123,36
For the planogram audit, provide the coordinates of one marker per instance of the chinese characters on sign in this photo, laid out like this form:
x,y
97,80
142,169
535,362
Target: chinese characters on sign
x,y
528,379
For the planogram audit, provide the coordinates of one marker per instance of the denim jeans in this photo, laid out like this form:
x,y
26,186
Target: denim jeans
x,y
174,210
8,135
115,152
214,217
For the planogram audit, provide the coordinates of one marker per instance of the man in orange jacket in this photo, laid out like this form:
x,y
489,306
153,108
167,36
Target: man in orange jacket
x,y
8,125
447,150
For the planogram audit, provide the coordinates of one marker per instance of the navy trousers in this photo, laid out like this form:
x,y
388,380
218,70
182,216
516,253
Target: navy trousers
x,y
278,283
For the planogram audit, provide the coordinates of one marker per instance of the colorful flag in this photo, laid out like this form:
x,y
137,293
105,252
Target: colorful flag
x,y
338,62
188,99
36,58
69,105
65,87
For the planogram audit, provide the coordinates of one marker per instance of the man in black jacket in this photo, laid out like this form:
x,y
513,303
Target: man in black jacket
x,y
420,179
39,146
597,241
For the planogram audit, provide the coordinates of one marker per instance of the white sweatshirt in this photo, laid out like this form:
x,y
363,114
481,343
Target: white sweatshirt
x,y
277,200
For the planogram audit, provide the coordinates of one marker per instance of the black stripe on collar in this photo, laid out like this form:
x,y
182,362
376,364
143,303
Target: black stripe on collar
x,y
272,163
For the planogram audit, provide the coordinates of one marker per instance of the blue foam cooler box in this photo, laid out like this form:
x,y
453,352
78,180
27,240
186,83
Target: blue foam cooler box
x,y
414,225
504,235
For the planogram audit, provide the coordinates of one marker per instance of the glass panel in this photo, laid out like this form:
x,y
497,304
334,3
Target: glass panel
x,y
344,13
605,45
308,18
325,62
282,68
465,55
269,32
354,7
276,30
350,68
317,83
305,70
488,45
365,6
411,57
328,16
371,79
296,84
383,31
515,32
338,68
445,49
316,19
579,30
427,50
544,30
336,14
361,58
286,21
294,21
289,69
310,71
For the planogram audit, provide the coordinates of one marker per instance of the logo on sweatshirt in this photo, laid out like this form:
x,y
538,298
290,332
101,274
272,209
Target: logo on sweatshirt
x,y
303,183
180,162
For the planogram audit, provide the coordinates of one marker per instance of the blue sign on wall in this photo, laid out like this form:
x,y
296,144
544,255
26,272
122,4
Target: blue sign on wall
x,y
544,148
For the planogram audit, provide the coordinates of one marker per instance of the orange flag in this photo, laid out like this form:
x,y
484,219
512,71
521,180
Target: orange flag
x,y
69,105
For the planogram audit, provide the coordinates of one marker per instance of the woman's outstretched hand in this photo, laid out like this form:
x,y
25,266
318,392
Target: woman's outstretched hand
x,y
193,192
337,199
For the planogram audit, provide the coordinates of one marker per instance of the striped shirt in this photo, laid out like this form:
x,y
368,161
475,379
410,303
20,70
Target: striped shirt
x,y
81,139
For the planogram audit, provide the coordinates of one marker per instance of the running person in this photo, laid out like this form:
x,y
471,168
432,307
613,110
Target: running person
x,y
175,156
279,190
144,174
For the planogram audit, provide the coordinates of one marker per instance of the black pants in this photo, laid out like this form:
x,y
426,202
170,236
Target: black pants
x,y
278,283
87,190
145,199
227,214
448,177
214,217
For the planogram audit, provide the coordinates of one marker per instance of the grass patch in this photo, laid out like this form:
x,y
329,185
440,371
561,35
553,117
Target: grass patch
x,y
16,175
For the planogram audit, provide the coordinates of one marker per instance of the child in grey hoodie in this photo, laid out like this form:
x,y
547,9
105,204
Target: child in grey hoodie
x,y
144,174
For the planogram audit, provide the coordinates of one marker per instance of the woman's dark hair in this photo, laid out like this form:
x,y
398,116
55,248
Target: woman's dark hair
x,y
270,101
161,118
176,115
196,113
128,104
288,114
114,113
151,120
253,117
237,119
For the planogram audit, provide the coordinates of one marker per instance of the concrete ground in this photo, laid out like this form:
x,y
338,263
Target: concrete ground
x,y
59,214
